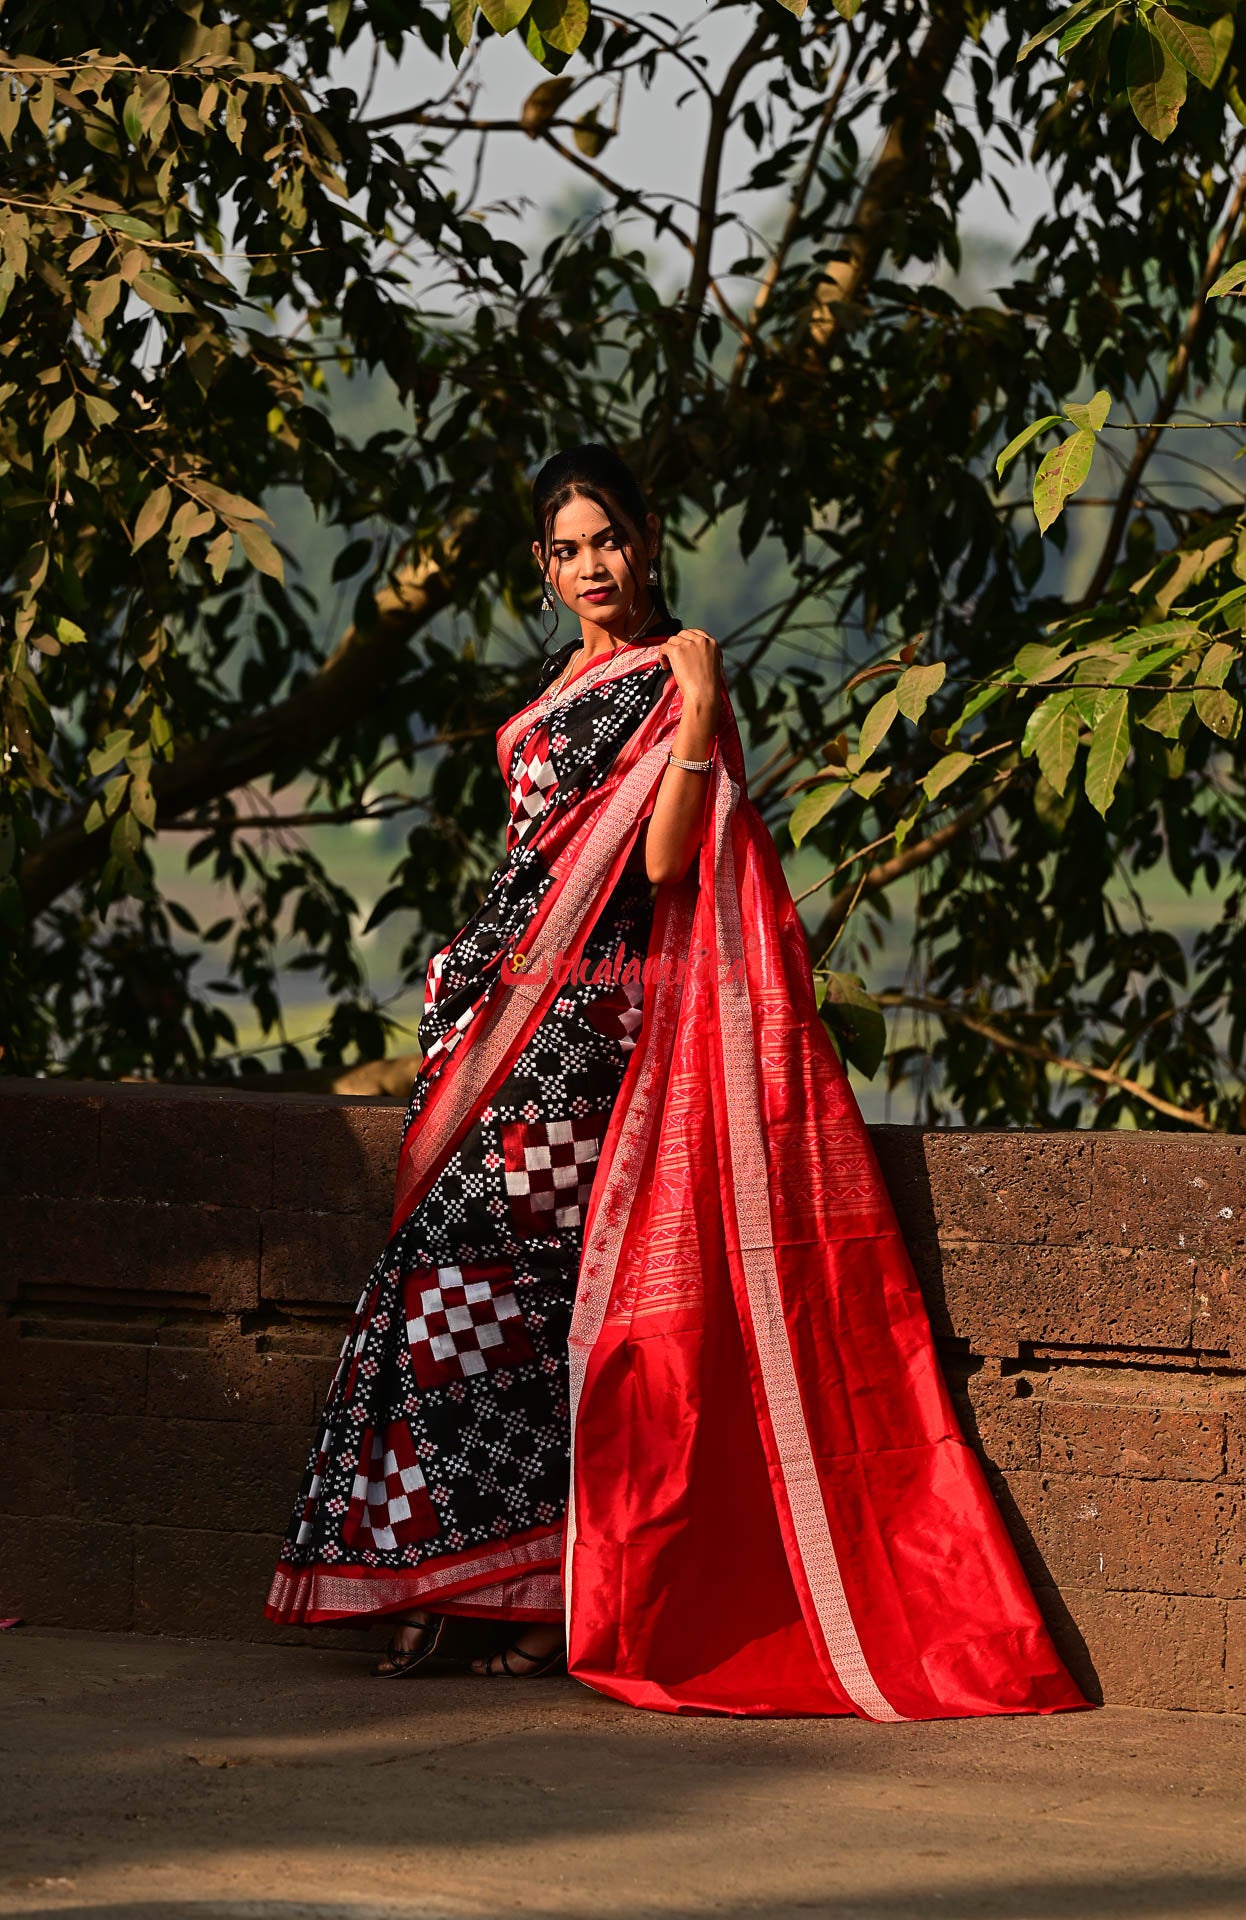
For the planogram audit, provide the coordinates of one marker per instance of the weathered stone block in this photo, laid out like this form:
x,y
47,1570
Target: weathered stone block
x,y
318,1256
1138,1536
1001,1417
228,1379
133,1247
215,1584
240,1476
995,1302
69,1376
1148,1443
65,1574
1020,1499
34,1464
1153,1650
1014,1189
1169,1190
1235,1657
208,1148
202,1580
1219,1299
49,1138
337,1157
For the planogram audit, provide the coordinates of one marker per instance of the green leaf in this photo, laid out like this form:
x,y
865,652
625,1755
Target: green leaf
x,y
1036,663
589,134
866,785
1216,709
103,807
916,687
337,13
10,106
218,555
114,748
812,807
1221,31
260,550
131,226
1073,35
101,413
231,505
1155,82
131,117
462,18
160,292
847,9
1090,413
1058,25
1109,750
877,721
103,297
1167,713
944,772
1051,735
1061,472
1023,440
543,103
1234,281
503,15
152,516
59,421
69,633
562,24
1214,667
1193,46
857,1020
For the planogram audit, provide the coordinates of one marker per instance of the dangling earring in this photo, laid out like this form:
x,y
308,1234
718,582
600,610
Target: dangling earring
x,y
548,605
653,573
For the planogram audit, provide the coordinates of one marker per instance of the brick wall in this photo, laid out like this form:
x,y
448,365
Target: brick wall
x,y
175,1268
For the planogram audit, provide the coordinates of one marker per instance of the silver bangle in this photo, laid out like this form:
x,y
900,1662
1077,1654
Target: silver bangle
x,y
690,766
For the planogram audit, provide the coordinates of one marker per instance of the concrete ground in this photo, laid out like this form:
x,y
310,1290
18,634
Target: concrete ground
x,y
148,1779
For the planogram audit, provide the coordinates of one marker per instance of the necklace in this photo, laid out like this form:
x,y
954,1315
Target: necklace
x,y
590,674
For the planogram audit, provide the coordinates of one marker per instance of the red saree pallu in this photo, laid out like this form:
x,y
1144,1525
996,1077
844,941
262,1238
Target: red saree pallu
x,y
770,1509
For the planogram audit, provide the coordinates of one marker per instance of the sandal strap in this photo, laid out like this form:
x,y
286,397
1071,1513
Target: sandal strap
x,y
536,1659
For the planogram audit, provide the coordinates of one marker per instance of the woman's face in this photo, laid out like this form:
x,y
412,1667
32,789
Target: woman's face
x,y
588,565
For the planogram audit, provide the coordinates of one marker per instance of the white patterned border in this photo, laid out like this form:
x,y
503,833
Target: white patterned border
x,y
750,1186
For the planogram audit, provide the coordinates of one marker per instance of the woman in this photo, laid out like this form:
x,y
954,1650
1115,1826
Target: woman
x,y
638,1224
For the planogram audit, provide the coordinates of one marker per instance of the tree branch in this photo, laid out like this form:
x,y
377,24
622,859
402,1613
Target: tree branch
x,y
338,693
795,212
903,149
887,872
711,166
1106,1076
1195,322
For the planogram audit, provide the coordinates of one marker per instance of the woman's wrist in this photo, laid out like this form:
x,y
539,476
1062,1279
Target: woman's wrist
x,y
697,731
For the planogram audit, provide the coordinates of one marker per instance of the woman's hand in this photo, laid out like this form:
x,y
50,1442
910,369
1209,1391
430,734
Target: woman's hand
x,y
677,822
695,660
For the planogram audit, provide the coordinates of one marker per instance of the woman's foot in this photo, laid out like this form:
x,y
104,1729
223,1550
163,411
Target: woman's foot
x,y
536,1651
414,1640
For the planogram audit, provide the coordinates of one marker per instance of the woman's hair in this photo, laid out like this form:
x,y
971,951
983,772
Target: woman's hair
x,y
597,473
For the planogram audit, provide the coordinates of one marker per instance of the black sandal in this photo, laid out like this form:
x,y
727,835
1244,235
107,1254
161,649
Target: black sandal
x,y
540,1663
396,1662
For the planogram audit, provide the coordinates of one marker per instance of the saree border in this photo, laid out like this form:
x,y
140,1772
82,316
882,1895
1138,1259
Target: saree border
x,y
750,1204
625,661
610,1208
501,1028
308,1595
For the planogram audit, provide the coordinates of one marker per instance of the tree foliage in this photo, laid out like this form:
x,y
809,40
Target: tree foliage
x,y
955,704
